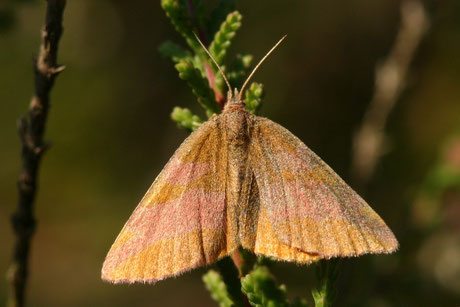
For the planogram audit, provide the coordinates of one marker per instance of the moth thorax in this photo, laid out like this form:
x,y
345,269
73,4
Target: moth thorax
x,y
237,127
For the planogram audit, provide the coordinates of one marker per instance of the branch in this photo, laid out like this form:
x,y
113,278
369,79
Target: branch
x,y
390,78
31,129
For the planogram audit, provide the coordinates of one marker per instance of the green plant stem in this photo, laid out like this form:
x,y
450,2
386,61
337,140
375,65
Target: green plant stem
x,y
327,272
231,276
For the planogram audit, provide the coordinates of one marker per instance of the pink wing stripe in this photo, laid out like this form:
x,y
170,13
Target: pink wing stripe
x,y
184,173
196,209
306,205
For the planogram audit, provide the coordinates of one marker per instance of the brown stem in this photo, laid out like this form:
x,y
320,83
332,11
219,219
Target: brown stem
x,y
31,129
237,260
390,77
220,99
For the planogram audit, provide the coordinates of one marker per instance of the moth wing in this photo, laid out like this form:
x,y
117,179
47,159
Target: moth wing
x,y
179,223
309,207
258,235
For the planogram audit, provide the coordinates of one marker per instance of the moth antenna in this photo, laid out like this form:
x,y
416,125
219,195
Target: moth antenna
x,y
215,62
257,66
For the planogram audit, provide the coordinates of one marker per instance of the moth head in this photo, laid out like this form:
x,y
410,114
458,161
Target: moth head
x,y
237,97
234,98
234,101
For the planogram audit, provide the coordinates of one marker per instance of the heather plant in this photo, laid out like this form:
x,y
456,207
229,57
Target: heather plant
x,y
246,279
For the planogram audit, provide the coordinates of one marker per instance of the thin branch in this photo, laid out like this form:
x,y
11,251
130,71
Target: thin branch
x,y
31,129
220,99
390,78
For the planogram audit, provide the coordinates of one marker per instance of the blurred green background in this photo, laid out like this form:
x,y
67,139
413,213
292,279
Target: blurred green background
x,y
111,134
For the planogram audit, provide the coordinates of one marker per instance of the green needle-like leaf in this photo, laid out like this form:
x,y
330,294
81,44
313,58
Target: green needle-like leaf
x,y
186,119
174,51
218,15
253,97
176,10
261,289
199,86
237,74
223,37
239,70
216,286
220,45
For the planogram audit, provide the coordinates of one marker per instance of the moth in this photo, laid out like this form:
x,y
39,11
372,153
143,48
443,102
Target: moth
x,y
243,180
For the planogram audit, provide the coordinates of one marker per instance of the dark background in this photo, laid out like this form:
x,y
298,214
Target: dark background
x,y
111,135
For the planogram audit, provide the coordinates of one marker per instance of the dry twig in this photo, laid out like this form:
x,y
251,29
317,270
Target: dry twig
x,y
31,129
390,77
